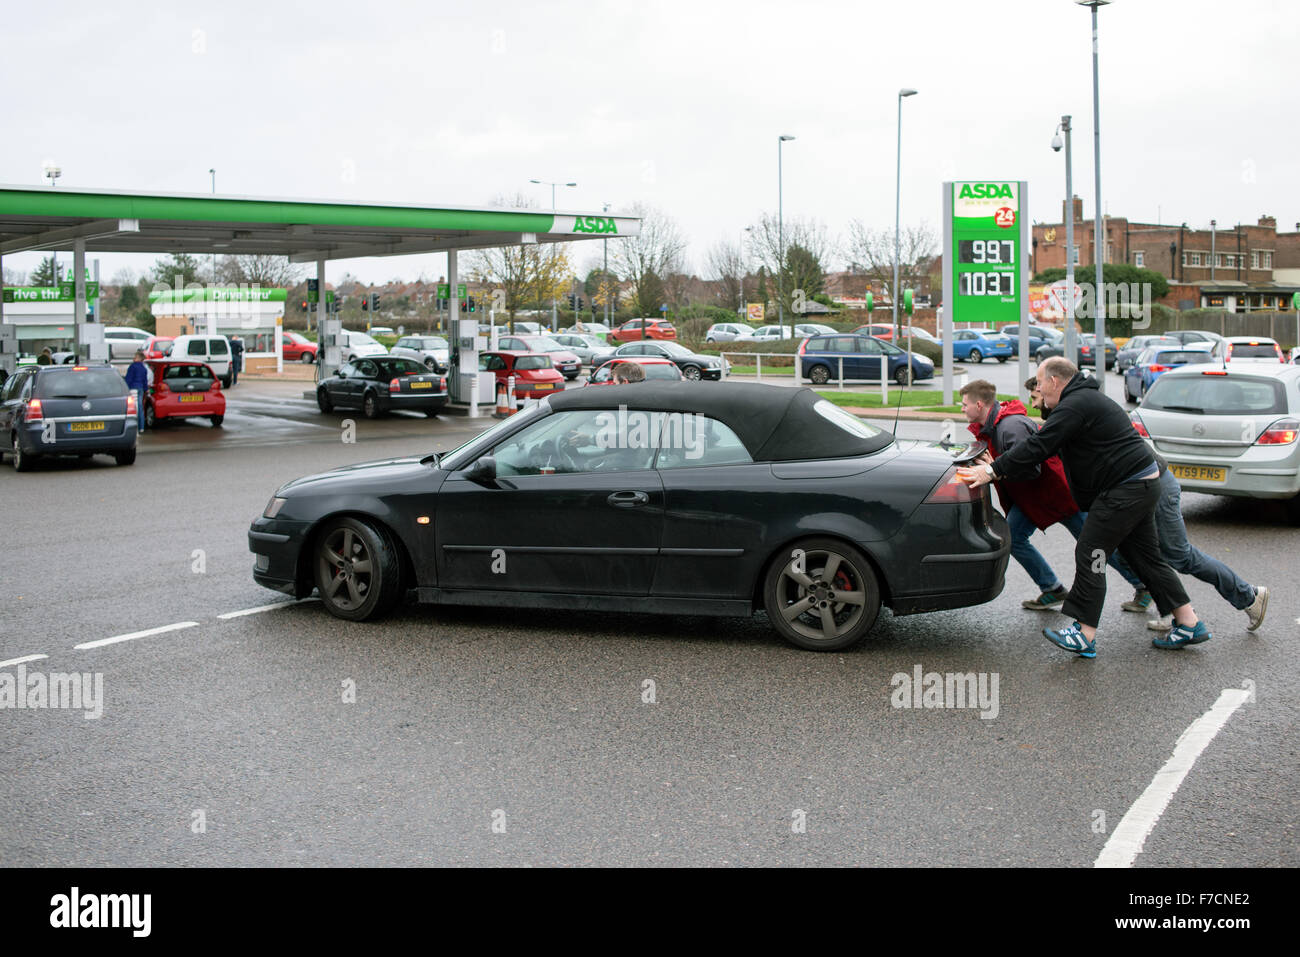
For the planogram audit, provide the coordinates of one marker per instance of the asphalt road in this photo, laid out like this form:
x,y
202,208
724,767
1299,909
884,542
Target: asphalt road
x,y
489,736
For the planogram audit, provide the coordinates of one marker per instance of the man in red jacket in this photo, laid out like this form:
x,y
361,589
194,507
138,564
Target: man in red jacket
x,y
1038,502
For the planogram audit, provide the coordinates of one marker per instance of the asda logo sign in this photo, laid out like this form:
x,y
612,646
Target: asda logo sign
x,y
594,224
986,191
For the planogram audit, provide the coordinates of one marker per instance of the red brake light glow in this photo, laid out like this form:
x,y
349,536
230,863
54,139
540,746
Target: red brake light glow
x,y
1141,429
131,407
1281,432
1214,372
33,413
395,385
1154,368
953,490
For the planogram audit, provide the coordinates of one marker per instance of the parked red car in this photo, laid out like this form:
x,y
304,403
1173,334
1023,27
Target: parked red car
x,y
184,390
157,347
636,329
535,374
297,347
876,330
652,366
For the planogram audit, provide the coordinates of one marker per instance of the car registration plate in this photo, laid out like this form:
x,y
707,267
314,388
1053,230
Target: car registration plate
x,y
192,398
1199,473
543,385
421,385
85,426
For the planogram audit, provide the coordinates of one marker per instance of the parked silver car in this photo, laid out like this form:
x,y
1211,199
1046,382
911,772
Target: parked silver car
x,y
590,349
1228,431
728,332
433,351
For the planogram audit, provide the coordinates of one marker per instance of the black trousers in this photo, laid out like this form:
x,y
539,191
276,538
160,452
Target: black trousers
x,y
1121,518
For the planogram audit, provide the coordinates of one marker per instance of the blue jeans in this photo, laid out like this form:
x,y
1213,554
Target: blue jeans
x,y
141,396
1035,565
1179,554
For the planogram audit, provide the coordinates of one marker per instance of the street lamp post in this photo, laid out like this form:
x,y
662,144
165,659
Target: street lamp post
x,y
1099,240
604,277
1066,128
780,234
898,199
740,280
1213,254
555,319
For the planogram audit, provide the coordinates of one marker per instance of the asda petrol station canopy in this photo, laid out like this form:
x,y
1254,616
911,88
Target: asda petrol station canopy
x,y
303,230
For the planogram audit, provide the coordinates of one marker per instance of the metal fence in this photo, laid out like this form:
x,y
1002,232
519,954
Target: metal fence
x,y
1282,326
798,369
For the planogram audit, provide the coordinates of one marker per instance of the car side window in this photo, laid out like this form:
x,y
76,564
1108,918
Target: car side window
x,y
347,369
195,347
689,440
869,347
493,364
577,441
220,347
14,387
367,369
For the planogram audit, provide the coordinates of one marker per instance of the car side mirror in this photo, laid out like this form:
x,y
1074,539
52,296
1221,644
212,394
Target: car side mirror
x,y
483,472
340,373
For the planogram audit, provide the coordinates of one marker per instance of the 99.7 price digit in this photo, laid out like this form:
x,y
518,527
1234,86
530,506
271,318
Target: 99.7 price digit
x,y
979,252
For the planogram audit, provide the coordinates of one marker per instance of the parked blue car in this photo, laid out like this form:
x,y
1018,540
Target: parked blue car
x,y
820,358
1037,336
976,345
1154,362
1133,348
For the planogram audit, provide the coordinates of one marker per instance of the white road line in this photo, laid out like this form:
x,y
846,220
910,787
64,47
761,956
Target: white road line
x,y
21,661
1130,834
135,634
261,608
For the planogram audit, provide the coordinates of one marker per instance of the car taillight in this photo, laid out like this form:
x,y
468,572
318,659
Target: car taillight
x,y
953,490
395,385
1214,372
802,346
1137,424
1281,432
216,386
1228,355
1159,368
33,413
131,407
160,389
1278,350
442,384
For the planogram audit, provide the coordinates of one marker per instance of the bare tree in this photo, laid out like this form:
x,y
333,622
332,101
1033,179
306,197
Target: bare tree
x,y
726,264
653,257
525,274
871,252
268,271
814,247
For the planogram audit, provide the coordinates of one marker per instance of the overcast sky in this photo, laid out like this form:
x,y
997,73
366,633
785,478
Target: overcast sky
x,y
674,104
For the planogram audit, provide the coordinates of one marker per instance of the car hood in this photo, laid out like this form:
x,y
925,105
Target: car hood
x,y
382,471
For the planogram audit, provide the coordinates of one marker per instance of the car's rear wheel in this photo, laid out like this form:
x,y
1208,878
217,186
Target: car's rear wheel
x,y
370,406
358,572
323,400
1003,358
150,416
307,357
125,458
216,420
1293,509
692,372
227,381
975,356
821,594
431,364
820,375
23,461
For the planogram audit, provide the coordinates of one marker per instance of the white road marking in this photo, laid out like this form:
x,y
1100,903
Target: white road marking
x,y
135,634
261,608
21,661
1130,834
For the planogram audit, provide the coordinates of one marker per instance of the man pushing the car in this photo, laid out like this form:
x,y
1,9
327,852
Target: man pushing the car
x,y
1114,476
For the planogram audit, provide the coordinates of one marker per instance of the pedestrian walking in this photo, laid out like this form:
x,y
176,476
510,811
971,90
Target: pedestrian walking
x,y
1113,475
137,379
236,358
1039,501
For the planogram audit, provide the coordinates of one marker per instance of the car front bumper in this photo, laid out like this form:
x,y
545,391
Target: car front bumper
x,y
277,546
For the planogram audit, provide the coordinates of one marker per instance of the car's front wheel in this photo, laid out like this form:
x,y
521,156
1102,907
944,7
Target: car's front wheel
x,y
819,375
307,357
900,375
821,594
323,400
358,573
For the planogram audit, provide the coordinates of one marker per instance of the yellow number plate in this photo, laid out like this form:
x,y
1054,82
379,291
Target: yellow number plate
x,y
85,426
421,385
192,398
1199,473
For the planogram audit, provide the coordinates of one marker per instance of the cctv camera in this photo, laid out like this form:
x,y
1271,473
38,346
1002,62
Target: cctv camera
x,y
1056,143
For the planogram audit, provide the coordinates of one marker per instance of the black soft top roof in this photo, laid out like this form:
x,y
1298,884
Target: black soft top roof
x,y
775,423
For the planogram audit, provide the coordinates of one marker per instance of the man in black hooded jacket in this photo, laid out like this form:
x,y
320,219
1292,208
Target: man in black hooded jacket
x,y
1114,478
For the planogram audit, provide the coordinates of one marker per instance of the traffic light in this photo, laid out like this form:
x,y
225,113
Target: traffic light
x,y
304,305
374,303
581,302
365,303
471,303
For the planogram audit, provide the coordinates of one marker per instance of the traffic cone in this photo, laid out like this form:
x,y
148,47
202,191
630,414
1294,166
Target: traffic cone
x,y
503,401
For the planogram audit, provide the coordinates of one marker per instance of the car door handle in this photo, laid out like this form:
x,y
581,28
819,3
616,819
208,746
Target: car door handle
x,y
628,499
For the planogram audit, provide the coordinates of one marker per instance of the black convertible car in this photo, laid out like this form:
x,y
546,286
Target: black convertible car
x,y
671,497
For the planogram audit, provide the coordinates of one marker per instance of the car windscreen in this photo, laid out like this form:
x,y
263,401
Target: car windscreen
x,y
394,367
1217,394
1174,357
360,339
543,344
533,362
434,343
78,383
661,370
1253,350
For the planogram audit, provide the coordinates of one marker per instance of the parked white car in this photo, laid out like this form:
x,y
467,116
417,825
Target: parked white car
x,y
1248,349
433,351
123,341
359,345
728,332
214,350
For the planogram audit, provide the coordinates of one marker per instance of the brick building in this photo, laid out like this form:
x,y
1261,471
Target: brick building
x,y
1234,268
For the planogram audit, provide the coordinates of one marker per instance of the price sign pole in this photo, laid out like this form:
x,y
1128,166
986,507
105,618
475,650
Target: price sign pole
x,y
985,279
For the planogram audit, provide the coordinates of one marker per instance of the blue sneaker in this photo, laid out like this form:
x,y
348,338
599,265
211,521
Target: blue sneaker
x,y
1181,635
1071,639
